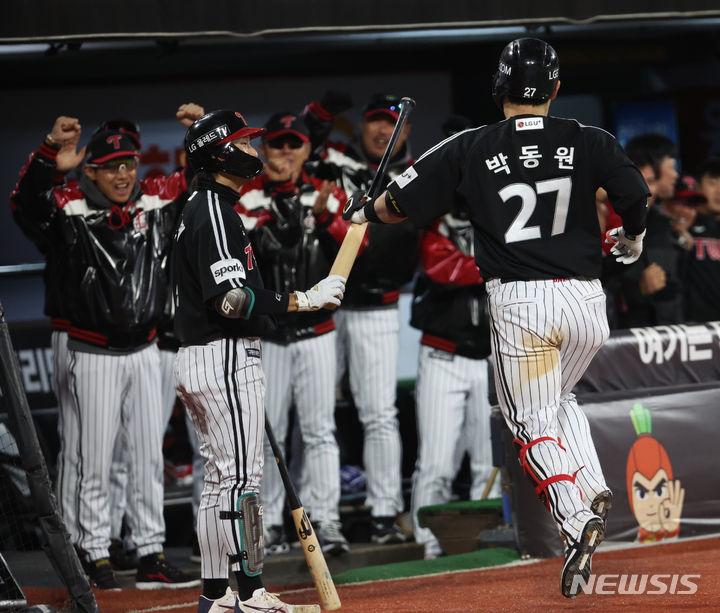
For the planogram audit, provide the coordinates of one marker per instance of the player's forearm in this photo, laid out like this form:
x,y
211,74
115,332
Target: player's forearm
x,y
244,302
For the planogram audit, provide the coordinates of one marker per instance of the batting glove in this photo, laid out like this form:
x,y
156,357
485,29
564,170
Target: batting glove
x,y
353,209
625,247
329,291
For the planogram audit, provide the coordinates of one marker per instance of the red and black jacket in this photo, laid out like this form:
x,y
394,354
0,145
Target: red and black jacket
x,y
390,257
449,299
293,247
114,258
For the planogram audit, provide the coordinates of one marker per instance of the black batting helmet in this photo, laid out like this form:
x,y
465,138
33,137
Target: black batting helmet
x,y
528,70
208,144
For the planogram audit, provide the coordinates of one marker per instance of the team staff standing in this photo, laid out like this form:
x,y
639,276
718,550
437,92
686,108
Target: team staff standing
x,y
452,393
368,326
529,184
289,217
113,232
222,310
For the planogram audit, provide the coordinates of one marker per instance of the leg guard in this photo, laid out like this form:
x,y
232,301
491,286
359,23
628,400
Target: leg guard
x,y
248,533
541,485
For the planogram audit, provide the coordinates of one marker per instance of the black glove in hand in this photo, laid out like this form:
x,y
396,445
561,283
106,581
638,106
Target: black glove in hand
x,y
335,102
353,209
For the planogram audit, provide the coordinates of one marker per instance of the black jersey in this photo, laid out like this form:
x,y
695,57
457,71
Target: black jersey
x,y
212,255
529,183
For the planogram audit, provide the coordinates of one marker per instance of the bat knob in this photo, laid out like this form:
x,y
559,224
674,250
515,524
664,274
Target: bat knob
x,y
409,102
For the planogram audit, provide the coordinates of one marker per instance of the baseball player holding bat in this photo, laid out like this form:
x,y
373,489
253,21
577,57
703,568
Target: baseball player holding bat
x,y
529,184
222,309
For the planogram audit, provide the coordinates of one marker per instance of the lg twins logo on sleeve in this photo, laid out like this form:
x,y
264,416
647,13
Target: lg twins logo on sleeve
x,y
223,270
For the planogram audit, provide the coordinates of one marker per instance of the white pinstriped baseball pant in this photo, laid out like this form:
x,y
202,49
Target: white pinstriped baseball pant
x,y
303,372
222,387
544,335
453,415
112,395
368,343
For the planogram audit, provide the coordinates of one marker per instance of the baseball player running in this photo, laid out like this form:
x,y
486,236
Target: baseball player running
x,y
529,183
222,309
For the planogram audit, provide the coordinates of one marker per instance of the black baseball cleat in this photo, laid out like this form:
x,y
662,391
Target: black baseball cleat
x,y
601,504
578,557
100,574
123,561
386,531
156,572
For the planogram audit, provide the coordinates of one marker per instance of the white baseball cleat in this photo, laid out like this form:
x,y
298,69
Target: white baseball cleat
x,y
264,601
226,604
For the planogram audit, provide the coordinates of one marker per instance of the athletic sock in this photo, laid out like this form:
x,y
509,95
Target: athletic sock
x,y
214,588
247,585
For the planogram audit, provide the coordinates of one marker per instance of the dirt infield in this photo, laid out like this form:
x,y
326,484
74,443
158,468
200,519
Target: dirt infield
x,y
680,576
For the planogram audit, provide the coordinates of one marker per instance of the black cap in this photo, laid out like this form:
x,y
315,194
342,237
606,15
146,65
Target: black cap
x,y
110,145
686,192
386,104
285,123
127,127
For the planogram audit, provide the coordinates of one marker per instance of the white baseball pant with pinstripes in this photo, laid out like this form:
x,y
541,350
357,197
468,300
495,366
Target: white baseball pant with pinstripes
x,y
544,335
67,467
303,372
111,394
453,415
368,342
222,387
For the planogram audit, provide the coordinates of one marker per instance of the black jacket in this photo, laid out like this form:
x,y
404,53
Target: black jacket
x,y
114,257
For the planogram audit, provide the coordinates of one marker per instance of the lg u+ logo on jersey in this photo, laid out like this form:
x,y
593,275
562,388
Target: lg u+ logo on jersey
x,y
223,270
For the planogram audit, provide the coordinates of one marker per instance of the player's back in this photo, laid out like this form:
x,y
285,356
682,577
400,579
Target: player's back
x,y
530,183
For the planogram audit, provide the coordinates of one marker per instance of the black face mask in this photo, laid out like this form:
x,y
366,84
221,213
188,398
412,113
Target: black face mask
x,y
231,160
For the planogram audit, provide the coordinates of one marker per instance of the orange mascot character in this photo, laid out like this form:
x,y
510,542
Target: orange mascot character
x,y
655,499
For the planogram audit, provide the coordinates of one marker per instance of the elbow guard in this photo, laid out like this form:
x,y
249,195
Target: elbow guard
x,y
236,303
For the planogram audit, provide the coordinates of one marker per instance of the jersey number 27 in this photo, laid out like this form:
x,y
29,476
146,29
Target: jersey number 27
x,y
519,230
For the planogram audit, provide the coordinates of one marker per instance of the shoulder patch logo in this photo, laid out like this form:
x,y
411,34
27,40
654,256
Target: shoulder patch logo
x,y
529,123
222,270
406,177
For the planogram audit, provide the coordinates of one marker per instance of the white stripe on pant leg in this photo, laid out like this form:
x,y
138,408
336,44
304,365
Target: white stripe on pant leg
x,y
314,365
98,384
374,345
478,427
68,429
440,409
143,417
277,366
577,439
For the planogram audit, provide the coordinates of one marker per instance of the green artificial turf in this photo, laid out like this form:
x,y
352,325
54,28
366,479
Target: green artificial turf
x,y
462,506
481,558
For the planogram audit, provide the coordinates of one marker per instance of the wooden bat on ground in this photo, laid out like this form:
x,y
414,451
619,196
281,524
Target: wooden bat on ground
x,y
329,599
345,258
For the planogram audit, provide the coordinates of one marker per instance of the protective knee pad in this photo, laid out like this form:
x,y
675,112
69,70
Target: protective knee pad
x,y
248,533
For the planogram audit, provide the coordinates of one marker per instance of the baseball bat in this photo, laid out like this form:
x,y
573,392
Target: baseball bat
x,y
350,246
329,599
